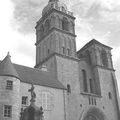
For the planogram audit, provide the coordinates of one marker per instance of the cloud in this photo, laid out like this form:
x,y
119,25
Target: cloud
x,y
26,14
95,18
102,17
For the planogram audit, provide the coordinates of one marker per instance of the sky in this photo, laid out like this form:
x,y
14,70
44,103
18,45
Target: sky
x,y
99,19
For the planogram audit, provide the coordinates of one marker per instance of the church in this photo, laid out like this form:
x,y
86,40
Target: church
x,y
69,84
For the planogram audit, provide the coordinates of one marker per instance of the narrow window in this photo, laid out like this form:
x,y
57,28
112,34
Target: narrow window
x,y
63,9
7,111
68,52
42,31
9,85
56,5
47,26
65,24
84,81
92,101
110,95
88,56
89,101
95,102
68,88
91,86
24,100
104,58
63,50
71,24
48,51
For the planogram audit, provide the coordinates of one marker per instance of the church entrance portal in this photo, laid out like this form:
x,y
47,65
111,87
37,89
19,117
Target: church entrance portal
x,y
94,114
90,117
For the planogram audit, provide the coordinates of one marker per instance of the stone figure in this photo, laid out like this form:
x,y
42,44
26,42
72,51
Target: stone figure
x,y
33,95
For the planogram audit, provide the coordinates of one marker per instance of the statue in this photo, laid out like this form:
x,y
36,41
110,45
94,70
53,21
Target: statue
x,y
32,112
41,113
33,95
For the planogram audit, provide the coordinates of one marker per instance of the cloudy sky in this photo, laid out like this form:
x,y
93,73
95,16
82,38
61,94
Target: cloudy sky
x,y
99,19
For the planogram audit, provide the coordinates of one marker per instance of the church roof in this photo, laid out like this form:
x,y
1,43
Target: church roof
x,y
7,68
93,41
38,77
29,75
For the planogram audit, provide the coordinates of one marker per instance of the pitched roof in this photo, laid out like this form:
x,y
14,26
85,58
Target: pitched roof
x,y
29,75
38,77
7,68
93,41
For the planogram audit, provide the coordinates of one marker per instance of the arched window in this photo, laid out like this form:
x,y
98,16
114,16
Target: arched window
x,y
56,5
68,52
72,28
58,22
47,26
85,87
65,24
91,83
68,88
104,58
63,46
88,56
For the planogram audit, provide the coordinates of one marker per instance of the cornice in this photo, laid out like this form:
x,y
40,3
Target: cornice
x,y
57,54
49,12
91,94
105,68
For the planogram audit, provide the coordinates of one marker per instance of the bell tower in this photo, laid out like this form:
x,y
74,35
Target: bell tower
x,y
55,32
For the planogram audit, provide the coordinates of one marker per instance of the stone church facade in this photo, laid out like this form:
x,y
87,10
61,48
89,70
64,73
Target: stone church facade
x,y
69,84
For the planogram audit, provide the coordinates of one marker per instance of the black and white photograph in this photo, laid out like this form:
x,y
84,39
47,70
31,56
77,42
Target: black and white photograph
x,y
60,60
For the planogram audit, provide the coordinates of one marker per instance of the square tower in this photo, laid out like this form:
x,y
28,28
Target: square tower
x,y
55,32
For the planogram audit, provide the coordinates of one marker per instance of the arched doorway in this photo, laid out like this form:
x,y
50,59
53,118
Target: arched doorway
x,y
94,114
90,117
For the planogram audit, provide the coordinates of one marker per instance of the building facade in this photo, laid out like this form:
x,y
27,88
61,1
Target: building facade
x,y
69,84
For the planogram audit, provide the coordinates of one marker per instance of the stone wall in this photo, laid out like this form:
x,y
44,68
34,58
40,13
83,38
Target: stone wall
x,y
57,104
10,97
77,103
